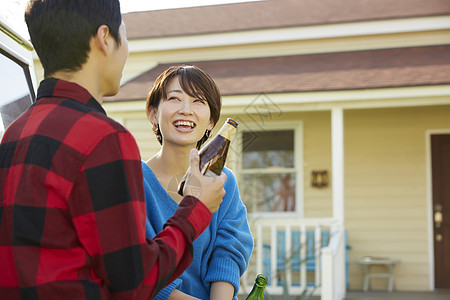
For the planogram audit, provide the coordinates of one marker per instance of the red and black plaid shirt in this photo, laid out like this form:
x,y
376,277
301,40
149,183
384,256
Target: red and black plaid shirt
x,y
72,215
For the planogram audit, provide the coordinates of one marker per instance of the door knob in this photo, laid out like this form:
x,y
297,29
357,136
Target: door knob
x,y
438,219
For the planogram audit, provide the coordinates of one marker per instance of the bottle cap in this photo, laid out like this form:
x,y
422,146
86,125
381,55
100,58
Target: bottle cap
x,y
232,122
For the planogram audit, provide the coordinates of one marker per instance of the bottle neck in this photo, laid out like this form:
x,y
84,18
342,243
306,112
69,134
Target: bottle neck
x,y
256,293
227,131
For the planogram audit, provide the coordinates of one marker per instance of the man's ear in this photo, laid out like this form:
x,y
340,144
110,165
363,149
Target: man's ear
x,y
102,39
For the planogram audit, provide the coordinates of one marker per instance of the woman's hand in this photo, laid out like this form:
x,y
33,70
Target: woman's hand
x,y
208,190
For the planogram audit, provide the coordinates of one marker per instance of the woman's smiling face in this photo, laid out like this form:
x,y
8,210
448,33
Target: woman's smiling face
x,y
182,119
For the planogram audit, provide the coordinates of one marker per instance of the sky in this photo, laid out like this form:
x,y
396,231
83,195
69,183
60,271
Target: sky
x,y
13,10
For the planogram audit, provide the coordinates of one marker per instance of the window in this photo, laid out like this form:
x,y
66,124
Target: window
x,y
270,176
16,92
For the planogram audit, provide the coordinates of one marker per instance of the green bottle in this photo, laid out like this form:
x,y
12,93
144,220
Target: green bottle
x,y
257,292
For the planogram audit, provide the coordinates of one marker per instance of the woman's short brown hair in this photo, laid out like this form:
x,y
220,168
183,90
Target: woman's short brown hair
x,y
194,82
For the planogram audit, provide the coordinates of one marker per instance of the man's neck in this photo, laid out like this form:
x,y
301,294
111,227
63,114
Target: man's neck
x,y
83,79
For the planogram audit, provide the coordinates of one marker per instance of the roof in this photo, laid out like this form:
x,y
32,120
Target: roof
x,y
314,72
269,14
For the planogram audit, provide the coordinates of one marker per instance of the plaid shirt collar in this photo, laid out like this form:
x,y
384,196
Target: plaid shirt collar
x,y
52,87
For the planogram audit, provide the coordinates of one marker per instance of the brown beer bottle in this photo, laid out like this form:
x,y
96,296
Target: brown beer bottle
x,y
214,153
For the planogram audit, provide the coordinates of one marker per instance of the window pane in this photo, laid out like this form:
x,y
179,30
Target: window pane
x,y
15,95
268,149
269,192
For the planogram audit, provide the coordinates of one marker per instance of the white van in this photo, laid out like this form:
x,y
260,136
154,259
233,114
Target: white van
x,y
17,77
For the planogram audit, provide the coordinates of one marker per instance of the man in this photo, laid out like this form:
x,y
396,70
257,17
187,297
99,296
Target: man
x,y
72,214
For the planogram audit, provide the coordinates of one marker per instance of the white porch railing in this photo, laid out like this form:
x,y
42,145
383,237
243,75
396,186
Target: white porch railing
x,y
333,267
290,267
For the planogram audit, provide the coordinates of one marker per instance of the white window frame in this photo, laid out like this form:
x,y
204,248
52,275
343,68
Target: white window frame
x,y
297,127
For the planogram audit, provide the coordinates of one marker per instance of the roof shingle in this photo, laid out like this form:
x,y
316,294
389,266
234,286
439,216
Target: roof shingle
x,y
315,72
270,14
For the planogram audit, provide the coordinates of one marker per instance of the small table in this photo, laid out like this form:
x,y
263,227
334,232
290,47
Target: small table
x,y
368,261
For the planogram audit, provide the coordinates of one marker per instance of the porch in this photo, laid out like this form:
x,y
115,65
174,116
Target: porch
x,y
376,295
360,295
299,256
310,256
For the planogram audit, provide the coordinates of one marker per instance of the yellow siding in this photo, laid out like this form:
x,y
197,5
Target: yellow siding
x,y
386,209
316,156
138,124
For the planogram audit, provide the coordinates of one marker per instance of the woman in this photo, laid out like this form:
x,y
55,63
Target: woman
x,y
184,106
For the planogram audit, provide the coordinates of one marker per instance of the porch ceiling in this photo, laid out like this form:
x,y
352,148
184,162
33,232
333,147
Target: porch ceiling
x,y
401,67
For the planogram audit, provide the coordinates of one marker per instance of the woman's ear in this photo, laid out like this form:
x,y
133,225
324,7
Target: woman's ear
x,y
153,115
211,125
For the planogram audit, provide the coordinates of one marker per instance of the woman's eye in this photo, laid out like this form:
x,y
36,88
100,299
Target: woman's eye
x,y
172,98
200,101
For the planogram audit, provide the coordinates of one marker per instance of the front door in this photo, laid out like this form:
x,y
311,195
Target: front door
x,y
440,159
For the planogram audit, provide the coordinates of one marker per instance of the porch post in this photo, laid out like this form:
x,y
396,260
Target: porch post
x,y
337,159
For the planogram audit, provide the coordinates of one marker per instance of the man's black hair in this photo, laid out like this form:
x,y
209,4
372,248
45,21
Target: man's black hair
x,y
61,30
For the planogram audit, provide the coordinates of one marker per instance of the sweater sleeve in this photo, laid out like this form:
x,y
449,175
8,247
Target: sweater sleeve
x,y
109,217
165,293
234,243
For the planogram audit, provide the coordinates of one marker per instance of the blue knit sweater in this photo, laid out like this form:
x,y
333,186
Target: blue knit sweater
x,y
222,251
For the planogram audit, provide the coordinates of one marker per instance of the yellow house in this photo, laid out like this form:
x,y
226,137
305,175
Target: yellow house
x,y
344,105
